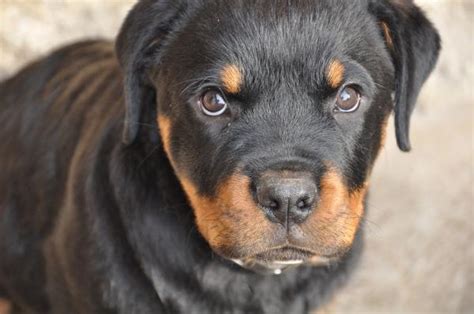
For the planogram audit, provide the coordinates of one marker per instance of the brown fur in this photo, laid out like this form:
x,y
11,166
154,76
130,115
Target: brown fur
x,y
231,77
5,307
387,34
337,215
231,217
335,73
164,124
94,57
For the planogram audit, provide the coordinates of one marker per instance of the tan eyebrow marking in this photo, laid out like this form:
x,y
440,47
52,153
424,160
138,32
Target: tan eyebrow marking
x,y
335,73
231,78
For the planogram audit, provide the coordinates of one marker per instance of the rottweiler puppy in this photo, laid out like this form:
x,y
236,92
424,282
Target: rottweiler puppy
x,y
215,160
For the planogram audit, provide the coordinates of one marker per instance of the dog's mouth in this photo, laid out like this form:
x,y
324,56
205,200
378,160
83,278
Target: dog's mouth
x,y
277,260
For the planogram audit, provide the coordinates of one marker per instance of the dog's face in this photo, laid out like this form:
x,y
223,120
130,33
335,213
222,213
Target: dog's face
x,y
272,125
273,112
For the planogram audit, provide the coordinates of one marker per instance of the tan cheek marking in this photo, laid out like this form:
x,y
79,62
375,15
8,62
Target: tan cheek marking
x,y
231,78
333,196
335,73
356,207
338,213
205,211
235,192
387,34
164,124
231,218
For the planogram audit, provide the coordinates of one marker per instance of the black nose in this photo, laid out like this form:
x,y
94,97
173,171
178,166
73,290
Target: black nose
x,y
286,197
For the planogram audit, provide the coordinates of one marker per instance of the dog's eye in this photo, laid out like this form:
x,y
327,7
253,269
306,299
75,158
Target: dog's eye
x,y
213,103
348,99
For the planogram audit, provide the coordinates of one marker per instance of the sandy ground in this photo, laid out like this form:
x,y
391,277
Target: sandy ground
x,y
419,255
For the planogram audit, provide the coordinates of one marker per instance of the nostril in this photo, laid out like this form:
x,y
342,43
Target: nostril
x,y
273,205
307,201
304,203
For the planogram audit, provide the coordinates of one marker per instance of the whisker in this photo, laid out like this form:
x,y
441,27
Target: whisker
x,y
195,84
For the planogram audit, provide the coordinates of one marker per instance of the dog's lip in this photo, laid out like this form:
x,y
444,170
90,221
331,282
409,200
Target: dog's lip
x,y
276,260
284,254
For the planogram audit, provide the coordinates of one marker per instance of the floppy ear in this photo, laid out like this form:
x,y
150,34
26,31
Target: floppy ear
x,y
138,47
414,45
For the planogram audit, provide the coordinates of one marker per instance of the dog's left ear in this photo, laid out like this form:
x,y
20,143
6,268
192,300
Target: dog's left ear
x,y
414,45
138,48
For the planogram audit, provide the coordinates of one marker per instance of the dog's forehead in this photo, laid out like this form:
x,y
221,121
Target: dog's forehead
x,y
296,25
267,36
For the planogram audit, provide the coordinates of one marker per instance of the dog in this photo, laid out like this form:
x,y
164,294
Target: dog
x,y
215,159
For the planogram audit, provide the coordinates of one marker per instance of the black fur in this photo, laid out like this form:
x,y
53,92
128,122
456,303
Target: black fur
x,y
92,215
416,52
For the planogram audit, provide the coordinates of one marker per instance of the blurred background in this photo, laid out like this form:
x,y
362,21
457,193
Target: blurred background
x,y
419,254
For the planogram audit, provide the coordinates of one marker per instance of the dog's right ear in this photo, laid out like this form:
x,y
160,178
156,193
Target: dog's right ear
x,y
138,47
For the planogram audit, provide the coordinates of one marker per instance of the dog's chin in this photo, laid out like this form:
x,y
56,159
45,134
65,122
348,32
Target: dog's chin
x,y
277,260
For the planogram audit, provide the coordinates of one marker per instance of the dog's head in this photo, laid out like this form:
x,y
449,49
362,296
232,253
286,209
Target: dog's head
x,y
273,112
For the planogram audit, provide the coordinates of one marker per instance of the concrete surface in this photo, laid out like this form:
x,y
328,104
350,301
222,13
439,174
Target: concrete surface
x,y
419,255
